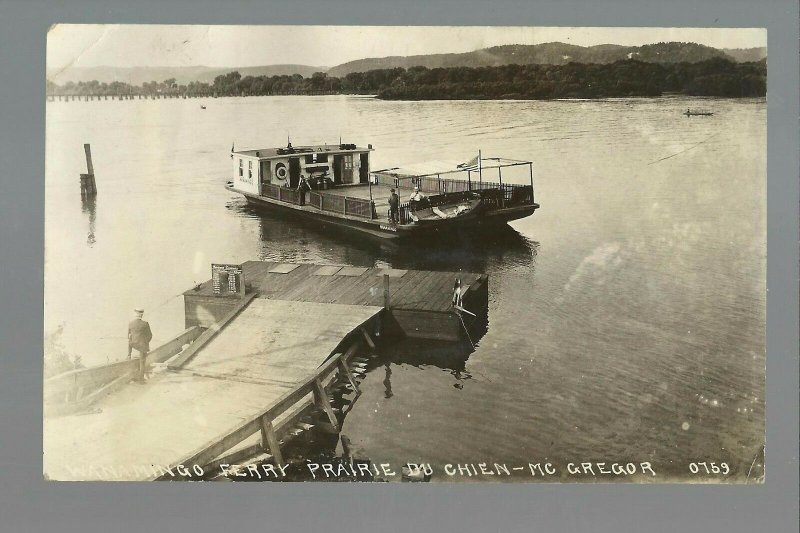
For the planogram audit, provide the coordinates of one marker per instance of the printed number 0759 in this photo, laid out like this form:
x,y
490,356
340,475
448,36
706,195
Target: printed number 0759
x,y
709,468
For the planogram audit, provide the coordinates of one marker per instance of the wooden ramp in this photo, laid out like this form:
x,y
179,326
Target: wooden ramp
x,y
258,358
277,341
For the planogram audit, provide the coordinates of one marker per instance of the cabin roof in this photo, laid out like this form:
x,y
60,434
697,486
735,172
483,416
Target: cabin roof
x,y
269,153
441,166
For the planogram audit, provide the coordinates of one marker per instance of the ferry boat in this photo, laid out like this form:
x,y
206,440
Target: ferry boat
x,y
334,185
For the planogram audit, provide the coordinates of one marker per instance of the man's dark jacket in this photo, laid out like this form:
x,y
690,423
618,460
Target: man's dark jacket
x,y
139,335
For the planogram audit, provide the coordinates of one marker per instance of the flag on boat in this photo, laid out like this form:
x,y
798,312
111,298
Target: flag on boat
x,y
472,164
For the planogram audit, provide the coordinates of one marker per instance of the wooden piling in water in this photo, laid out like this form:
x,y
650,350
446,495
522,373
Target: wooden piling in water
x,y
88,184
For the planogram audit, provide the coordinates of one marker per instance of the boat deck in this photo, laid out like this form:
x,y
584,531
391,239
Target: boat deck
x,y
380,195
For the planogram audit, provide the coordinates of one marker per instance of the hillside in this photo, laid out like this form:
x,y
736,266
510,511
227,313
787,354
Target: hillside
x,y
182,75
540,54
746,54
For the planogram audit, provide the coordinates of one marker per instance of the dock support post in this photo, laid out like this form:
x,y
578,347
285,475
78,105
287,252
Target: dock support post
x,y
386,291
270,441
367,338
346,371
322,400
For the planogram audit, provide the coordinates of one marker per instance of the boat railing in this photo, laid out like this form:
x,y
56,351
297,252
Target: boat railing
x,y
283,194
438,185
404,213
346,205
358,207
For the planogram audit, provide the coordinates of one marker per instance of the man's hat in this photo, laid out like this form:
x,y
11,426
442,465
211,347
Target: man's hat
x,y
139,310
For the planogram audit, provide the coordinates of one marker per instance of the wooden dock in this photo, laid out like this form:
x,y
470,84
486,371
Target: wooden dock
x,y
238,383
418,302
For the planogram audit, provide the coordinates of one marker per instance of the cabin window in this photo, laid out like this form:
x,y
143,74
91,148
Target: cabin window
x,y
348,162
241,168
250,169
316,158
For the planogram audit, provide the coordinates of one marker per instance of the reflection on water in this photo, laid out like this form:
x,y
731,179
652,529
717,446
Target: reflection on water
x,y
89,206
503,248
626,317
387,381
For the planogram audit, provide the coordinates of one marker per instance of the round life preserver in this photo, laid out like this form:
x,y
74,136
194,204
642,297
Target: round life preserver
x,y
281,172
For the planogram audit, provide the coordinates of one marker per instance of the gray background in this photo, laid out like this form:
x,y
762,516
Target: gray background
x,y
29,504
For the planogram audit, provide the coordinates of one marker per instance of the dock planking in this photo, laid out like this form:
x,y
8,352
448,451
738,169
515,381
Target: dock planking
x,y
271,340
409,289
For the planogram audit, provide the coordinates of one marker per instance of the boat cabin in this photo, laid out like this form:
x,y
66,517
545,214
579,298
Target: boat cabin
x,y
323,166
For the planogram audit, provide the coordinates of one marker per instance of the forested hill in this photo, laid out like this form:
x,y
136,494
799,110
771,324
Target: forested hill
x,y
553,54
746,54
629,78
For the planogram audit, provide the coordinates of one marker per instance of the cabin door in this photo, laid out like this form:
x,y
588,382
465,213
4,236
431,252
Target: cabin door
x,y
337,169
347,168
363,171
265,174
294,172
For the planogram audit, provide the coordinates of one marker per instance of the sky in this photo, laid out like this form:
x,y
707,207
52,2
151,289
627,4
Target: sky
x,y
327,46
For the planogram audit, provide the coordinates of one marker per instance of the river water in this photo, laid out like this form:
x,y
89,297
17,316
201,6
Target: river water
x,y
626,318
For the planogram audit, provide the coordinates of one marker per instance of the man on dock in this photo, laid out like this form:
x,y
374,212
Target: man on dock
x,y
139,336
394,205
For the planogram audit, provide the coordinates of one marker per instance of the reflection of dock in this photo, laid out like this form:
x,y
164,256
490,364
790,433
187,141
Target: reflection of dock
x,y
252,372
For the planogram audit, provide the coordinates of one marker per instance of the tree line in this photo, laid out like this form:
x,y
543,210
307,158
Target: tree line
x,y
713,77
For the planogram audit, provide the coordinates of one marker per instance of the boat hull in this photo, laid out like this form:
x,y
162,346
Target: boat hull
x,y
383,229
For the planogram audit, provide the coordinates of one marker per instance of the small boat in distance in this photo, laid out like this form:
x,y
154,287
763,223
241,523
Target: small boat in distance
x,y
332,185
698,112
202,107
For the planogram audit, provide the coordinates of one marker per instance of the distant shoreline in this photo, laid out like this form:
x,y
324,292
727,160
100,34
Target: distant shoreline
x,y
461,99
625,78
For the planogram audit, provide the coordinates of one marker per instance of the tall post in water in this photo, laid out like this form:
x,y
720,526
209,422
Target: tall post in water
x,y
386,301
88,184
